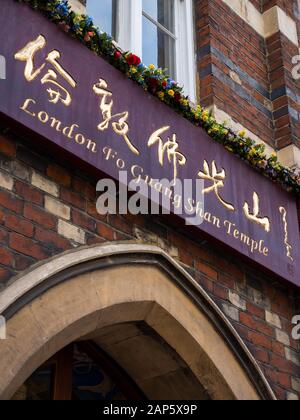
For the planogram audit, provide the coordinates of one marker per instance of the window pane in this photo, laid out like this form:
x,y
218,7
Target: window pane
x,y
38,386
162,11
90,382
103,13
158,48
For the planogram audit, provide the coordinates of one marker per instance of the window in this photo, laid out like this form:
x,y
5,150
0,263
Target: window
x,y
158,34
161,32
104,14
81,371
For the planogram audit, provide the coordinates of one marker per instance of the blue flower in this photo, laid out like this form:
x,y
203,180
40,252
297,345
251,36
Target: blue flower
x,y
62,9
89,21
76,26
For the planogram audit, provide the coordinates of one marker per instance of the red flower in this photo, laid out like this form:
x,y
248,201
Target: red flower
x,y
164,84
117,55
177,97
133,60
153,83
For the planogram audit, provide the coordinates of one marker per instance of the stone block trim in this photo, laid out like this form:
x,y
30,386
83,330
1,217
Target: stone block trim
x,y
244,52
40,217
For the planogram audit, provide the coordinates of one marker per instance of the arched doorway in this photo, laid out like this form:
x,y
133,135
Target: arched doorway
x,y
138,306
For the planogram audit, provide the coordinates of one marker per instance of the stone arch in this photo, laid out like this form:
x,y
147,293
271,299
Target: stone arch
x,y
81,293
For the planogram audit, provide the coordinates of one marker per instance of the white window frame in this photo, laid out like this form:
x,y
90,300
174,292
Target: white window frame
x,y
129,37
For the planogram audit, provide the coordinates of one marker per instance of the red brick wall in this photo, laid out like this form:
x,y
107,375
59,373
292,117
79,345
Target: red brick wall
x,y
46,209
247,76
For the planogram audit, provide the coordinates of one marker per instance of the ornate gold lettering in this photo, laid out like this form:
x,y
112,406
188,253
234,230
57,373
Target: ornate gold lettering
x,y
217,178
289,247
170,147
27,55
254,217
119,121
24,107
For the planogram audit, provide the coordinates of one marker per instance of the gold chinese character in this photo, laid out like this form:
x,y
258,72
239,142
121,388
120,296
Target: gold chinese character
x,y
254,217
119,121
217,179
289,247
27,55
170,147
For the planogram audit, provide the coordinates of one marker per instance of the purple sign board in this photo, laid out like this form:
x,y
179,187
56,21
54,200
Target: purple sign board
x,y
75,100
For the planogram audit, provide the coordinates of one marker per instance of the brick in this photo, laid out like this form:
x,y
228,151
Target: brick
x,y
226,280
82,220
231,311
73,199
121,224
105,231
207,285
84,188
226,266
7,147
6,257
2,217
283,337
28,193
3,236
51,239
284,380
220,291
273,319
207,270
22,262
11,202
283,364
94,240
19,225
59,175
296,384
44,184
39,216
237,301
262,356
20,171
32,159
260,340
256,324
92,211
186,258
57,208
279,392
71,232
6,181
5,275
293,356
27,247
271,373
260,299
242,331
255,310
278,348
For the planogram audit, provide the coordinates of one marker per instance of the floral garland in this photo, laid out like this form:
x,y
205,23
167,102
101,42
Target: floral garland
x,y
157,82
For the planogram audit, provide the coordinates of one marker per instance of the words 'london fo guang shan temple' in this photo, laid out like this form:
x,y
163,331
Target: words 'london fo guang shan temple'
x,y
109,111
